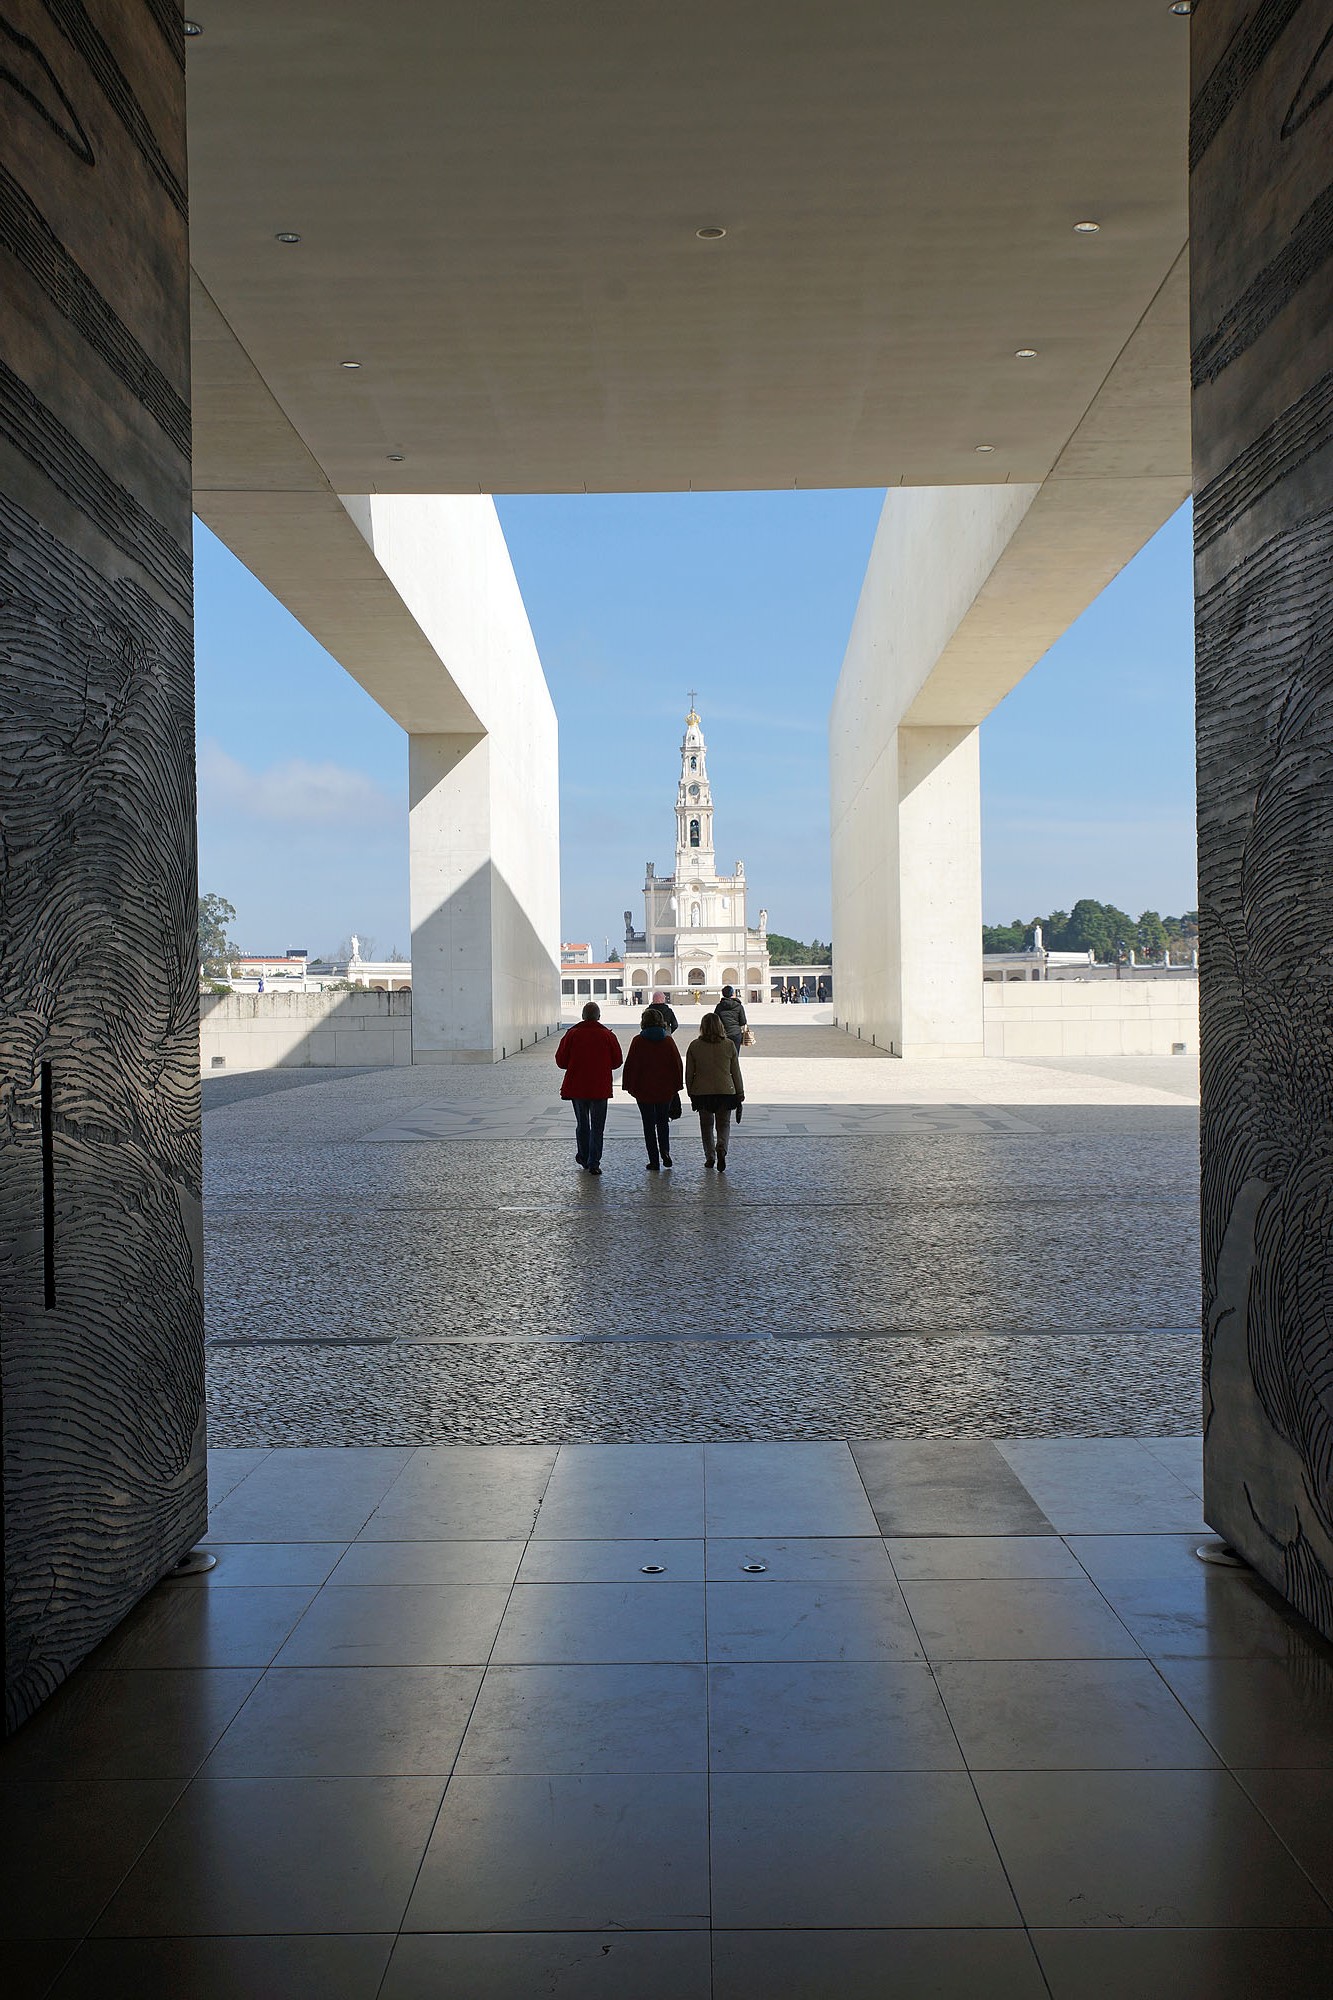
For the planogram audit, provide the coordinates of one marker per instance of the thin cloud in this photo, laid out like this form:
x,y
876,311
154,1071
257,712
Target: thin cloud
x,y
292,793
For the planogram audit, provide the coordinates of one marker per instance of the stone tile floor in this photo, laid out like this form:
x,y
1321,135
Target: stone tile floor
x,y
659,1722
952,1249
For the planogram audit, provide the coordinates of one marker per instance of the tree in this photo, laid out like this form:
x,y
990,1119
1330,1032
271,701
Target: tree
x,y
1004,937
216,949
1152,936
396,957
614,958
790,951
1090,929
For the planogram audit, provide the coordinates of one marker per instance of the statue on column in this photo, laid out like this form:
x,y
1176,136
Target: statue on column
x,y
763,923
355,959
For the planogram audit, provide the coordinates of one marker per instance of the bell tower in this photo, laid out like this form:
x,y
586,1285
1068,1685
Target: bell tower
x,y
694,804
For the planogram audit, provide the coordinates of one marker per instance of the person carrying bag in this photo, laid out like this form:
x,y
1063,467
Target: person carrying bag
x,y
716,1087
652,1075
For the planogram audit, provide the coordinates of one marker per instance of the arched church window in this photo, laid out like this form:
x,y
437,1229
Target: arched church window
x,y
696,975
694,833
694,763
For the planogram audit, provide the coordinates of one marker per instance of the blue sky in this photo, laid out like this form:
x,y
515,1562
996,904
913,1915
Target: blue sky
x,y
1087,768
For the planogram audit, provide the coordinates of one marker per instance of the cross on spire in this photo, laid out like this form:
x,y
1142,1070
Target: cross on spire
x,y
694,696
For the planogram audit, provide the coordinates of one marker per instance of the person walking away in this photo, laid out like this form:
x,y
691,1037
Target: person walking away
x,y
653,1075
664,1008
730,1011
716,1088
588,1054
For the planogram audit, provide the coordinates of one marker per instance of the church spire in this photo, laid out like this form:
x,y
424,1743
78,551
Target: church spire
x,y
694,801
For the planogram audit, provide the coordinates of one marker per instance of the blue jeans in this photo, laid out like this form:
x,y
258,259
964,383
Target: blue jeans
x,y
589,1125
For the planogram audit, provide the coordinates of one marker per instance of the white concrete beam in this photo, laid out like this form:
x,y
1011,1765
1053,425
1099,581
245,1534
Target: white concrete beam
x,y
966,588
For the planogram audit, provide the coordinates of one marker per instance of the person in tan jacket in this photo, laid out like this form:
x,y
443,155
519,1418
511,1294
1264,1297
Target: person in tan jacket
x,y
715,1086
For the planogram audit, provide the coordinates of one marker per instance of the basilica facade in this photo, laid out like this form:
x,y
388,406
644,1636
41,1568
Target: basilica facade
x,y
695,938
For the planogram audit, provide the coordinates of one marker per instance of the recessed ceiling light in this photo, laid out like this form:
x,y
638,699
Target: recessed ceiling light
x,y
349,364
396,457
1086,228
712,234
286,236
192,28
983,447
1025,354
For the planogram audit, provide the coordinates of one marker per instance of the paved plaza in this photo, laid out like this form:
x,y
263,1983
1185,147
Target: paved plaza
x,y
971,1249
686,1722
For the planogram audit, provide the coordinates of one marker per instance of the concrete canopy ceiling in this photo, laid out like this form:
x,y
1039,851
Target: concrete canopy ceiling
x,y
497,203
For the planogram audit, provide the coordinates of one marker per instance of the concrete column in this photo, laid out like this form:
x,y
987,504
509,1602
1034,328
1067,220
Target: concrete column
x,y
1261,147
100,1241
938,944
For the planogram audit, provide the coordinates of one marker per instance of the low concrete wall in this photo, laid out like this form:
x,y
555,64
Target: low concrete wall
x,y
1129,1017
241,1031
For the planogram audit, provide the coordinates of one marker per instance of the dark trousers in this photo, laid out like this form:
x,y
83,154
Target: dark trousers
x,y
589,1125
656,1130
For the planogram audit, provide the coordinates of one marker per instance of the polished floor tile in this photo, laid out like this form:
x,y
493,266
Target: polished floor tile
x,y
309,1563
1154,1849
1261,1713
597,1853
1068,1715
400,1625
464,1493
779,1490
853,1849
951,1487
624,1491
1182,1456
974,1558
531,1720
808,1715
1039,1618
314,1494
803,1559
1210,1613
1092,1486
31,1964
429,1562
1187,1964
349,1722
1124,1558
874,1965
65,1845
679,1560
226,1968
176,1626
228,1466
555,1623
1298,1805
613,1965
757,1619
249,1856
150,1724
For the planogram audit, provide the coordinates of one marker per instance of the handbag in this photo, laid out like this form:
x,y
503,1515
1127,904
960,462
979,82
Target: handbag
x,y
747,1038
674,1108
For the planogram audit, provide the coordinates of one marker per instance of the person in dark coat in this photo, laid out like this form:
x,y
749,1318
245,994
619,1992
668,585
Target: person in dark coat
x,y
653,1075
665,1009
588,1054
730,1011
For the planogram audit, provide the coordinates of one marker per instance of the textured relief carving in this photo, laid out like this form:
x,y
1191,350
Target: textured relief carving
x,y
104,1462
100,1238
26,234
1261,235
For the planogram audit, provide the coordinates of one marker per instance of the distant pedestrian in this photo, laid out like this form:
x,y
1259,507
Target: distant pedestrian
x,y
730,1011
716,1088
653,1075
588,1054
664,1008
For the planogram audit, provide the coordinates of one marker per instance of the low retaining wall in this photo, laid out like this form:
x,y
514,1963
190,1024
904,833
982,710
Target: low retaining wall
x,y
1127,1017
241,1031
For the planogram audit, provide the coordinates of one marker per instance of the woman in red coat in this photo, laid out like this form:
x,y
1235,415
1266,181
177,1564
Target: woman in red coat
x,y
653,1075
588,1054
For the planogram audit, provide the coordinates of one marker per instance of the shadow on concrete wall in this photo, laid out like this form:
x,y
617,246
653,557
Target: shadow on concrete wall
x,y
355,1029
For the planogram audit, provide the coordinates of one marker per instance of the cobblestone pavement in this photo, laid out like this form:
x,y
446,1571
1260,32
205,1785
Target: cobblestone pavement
x,y
956,1250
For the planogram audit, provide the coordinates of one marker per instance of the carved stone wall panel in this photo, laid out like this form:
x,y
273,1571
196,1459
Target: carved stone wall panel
x,y
1262,307
101,1355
